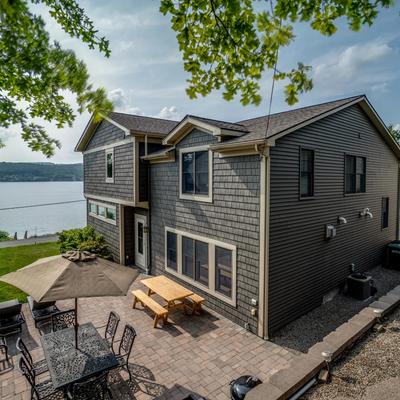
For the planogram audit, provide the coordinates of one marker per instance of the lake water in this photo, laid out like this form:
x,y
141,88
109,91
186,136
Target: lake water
x,y
41,220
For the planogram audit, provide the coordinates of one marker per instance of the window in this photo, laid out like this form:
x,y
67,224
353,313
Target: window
x,y
385,212
203,262
188,257
306,173
102,211
172,253
223,274
195,259
195,173
110,165
111,213
93,208
355,174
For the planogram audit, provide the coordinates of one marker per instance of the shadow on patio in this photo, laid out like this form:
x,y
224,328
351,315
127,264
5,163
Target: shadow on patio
x,y
193,354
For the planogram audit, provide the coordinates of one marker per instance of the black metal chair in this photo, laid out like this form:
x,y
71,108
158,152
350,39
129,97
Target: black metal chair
x,y
42,311
39,367
111,328
11,317
125,348
41,391
63,320
4,347
93,388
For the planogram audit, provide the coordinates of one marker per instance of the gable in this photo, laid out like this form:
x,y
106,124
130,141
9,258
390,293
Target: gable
x,y
105,133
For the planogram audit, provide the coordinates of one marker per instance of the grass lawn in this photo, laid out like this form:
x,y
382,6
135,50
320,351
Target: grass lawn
x,y
13,258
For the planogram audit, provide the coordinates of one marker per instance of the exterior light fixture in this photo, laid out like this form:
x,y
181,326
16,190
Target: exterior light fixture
x,y
378,313
342,220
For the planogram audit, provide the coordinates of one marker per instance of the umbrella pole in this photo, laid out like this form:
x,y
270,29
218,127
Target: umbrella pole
x,y
76,323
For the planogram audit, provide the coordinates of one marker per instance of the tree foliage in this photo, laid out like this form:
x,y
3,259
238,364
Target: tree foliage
x,y
4,236
228,44
35,72
395,132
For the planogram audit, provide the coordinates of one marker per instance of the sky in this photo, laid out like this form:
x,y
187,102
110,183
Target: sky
x,y
145,74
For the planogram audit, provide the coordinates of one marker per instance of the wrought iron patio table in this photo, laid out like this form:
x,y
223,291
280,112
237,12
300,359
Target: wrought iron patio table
x,y
67,364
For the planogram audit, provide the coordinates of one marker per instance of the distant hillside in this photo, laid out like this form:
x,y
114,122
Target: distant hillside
x,y
39,172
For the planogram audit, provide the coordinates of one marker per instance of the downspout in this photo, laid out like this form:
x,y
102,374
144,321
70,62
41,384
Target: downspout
x,y
398,204
148,269
262,329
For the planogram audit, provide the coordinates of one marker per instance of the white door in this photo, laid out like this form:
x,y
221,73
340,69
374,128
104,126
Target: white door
x,y
140,241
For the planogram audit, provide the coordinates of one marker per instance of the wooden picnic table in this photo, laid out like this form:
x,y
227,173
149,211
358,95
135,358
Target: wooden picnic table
x,y
173,293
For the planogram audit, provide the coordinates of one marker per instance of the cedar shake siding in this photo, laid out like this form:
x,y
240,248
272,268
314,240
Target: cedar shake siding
x,y
232,217
303,266
109,231
106,133
95,173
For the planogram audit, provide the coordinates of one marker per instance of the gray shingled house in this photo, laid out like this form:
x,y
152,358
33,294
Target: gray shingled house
x,y
263,217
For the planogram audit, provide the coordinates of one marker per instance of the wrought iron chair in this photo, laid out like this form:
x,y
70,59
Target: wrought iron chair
x,y
39,367
111,328
41,391
125,348
63,320
93,388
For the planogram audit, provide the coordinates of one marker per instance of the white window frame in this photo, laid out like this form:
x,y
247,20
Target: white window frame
x,y
212,243
107,152
104,219
197,197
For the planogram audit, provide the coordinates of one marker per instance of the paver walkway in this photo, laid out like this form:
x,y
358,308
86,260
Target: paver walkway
x,y
192,355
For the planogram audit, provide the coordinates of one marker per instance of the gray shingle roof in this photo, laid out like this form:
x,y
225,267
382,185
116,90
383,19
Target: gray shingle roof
x,y
285,120
139,123
220,124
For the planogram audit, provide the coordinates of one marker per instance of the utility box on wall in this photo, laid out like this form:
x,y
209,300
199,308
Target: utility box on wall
x,y
393,255
330,231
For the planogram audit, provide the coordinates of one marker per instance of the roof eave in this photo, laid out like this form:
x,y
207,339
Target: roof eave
x,y
188,123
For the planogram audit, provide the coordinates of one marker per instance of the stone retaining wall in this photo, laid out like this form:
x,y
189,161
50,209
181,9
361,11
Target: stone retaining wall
x,y
285,383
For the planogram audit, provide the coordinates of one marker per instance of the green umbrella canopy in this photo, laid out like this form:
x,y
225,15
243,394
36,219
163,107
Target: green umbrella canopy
x,y
72,275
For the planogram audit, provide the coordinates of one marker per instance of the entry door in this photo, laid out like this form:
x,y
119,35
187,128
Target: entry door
x,y
140,241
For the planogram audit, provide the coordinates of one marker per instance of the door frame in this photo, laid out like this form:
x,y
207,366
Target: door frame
x,y
143,219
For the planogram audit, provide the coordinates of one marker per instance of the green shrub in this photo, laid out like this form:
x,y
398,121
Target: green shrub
x,y
84,239
4,236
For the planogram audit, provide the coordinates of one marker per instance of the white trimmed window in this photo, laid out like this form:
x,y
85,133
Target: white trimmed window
x,y
104,212
195,173
110,165
203,262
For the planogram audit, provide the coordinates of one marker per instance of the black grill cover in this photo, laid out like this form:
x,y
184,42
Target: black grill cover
x,y
242,385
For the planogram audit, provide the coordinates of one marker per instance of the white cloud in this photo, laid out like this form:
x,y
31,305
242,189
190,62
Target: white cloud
x,y
122,103
117,96
380,87
168,113
356,67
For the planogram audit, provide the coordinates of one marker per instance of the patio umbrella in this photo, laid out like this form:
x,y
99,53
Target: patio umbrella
x,y
70,276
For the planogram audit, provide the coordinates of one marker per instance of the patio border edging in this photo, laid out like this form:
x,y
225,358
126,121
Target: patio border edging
x,y
285,383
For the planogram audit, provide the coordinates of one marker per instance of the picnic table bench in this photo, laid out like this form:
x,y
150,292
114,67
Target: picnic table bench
x,y
159,310
172,292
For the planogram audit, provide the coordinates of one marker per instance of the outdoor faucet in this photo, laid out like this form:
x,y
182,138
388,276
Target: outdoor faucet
x,y
366,213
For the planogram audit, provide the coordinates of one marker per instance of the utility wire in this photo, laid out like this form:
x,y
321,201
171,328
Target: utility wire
x,y
41,205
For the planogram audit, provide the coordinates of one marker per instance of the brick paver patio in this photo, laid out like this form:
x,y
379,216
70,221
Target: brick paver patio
x,y
192,355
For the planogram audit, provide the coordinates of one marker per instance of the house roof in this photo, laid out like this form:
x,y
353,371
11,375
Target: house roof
x,y
139,123
242,133
221,124
130,124
282,121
